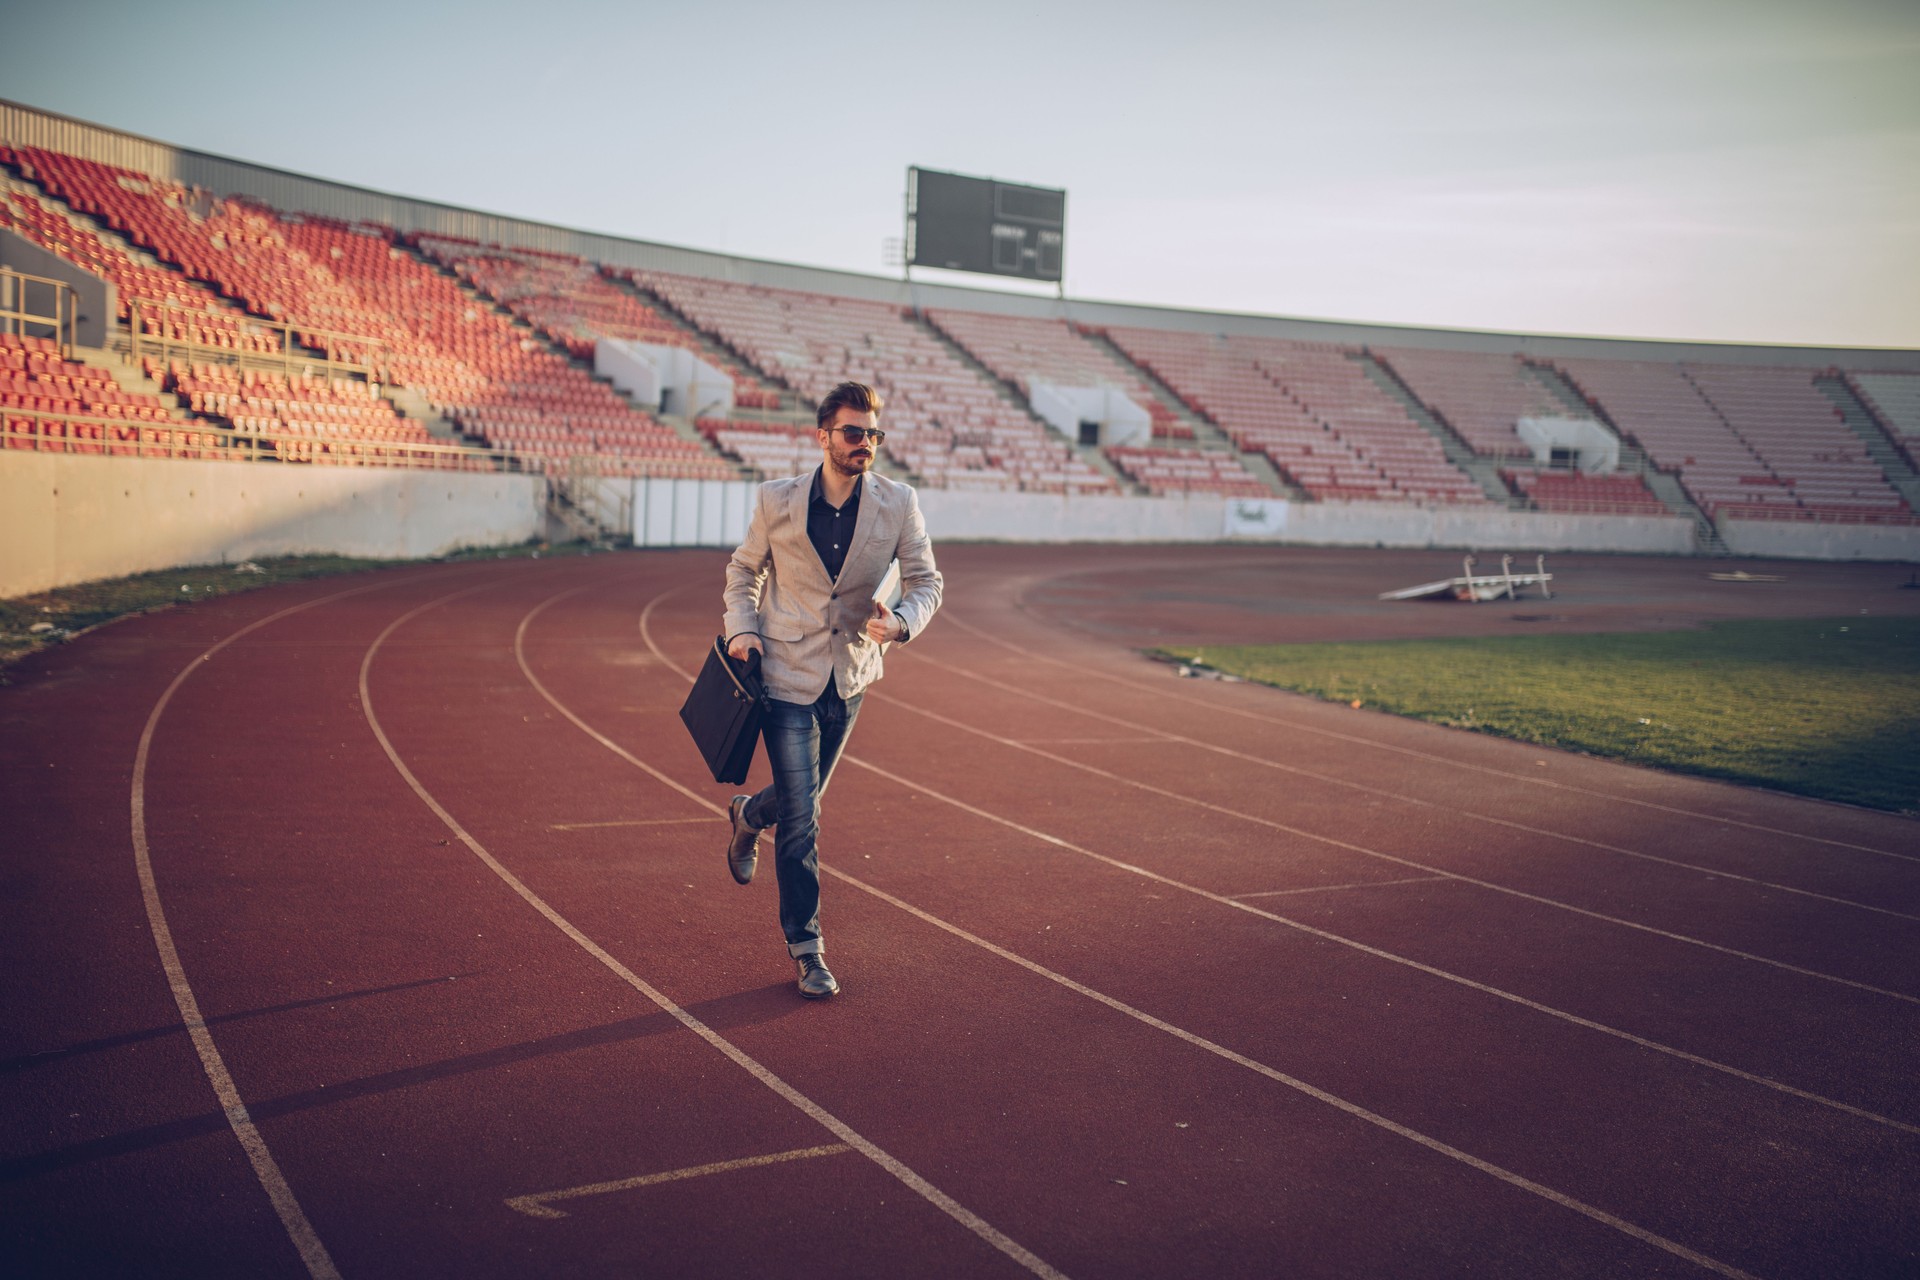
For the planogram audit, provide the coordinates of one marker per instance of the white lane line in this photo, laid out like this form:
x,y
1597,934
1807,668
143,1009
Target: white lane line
x,y
623,822
537,1206
1312,1091
1321,1095
306,1241
1432,757
827,1120
1095,742
1431,970
1337,843
1332,888
1201,744
1311,930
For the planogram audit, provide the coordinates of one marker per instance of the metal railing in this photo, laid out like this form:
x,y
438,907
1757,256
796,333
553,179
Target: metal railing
x,y
290,358
16,315
576,487
39,431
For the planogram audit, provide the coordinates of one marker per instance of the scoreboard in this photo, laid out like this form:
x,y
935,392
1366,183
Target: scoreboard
x,y
979,224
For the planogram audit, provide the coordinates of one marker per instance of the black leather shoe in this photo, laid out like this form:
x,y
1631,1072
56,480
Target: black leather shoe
x,y
816,980
743,849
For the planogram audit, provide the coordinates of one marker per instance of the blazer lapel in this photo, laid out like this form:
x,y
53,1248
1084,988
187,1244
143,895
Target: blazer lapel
x,y
797,504
863,524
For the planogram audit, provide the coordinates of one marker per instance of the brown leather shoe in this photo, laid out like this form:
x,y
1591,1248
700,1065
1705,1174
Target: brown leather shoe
x,y
743,849
816,980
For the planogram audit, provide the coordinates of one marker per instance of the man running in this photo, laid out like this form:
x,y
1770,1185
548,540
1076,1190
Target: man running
x,y
802,590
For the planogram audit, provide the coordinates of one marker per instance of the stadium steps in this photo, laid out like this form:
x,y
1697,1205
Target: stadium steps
x,y
411,404
719,353
130,379
1634,460
1090,454
1880,446
1485,472
680,427
1206,435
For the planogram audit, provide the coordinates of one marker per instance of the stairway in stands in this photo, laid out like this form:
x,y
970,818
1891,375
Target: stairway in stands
x,y
1880,448
1484,471
1090,454
1634,460
1206,434
721,354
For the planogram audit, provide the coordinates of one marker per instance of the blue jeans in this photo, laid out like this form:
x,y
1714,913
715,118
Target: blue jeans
x,y
803,745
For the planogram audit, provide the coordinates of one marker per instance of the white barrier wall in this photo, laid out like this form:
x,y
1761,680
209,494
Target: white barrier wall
x,y
675,513
67,519
1800,540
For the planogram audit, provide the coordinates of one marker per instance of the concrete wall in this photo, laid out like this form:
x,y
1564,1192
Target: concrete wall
x,y
1798,540
714,513
1393,525
67,519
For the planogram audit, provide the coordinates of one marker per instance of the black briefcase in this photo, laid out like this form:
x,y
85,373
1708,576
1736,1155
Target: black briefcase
x,y
724,710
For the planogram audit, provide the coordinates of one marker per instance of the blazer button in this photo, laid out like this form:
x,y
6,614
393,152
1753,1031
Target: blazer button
x,y
836,631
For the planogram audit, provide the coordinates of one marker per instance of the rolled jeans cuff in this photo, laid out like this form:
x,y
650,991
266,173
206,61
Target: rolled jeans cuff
x,y
811,947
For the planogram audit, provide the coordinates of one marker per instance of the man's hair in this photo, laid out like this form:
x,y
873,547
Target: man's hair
x,y
857,396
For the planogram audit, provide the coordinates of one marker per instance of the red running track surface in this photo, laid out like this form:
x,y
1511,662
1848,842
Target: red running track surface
x,y
1143,976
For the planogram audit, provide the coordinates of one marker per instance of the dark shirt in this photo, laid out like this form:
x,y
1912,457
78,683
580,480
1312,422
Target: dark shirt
x,y
830,530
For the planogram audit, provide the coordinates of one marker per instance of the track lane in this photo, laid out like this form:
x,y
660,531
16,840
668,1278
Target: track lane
x,y
1880,880
111,1111
407,1118
1821,938
587,690
914,746
914,1184
386,1099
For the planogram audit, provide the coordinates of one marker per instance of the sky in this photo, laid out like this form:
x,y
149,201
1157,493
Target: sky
x,y
1728,170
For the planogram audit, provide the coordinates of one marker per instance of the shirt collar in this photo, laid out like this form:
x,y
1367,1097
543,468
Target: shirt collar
x,y
818,493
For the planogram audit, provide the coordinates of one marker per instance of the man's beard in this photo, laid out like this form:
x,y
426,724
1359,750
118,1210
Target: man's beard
x,y
848,465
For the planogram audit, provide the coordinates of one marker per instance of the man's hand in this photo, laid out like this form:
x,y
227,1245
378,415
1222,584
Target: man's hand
x,y
883,626
743,644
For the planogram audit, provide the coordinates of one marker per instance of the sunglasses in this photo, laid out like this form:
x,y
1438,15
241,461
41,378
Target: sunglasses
x,y
857,435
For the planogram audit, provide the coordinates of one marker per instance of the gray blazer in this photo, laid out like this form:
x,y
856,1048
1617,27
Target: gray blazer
x,y
815,627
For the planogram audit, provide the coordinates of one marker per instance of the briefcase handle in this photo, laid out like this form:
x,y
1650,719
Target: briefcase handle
x,y
752,666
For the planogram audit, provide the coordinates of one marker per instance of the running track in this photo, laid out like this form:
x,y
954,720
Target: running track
x,y
379,927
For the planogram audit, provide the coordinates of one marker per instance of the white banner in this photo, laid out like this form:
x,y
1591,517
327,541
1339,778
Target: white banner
x,y
1255,518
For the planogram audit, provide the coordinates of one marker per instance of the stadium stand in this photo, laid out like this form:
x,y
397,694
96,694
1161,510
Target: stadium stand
x,y
1310,409
1803,440
175,307
48,402
1665,409
1575,493
252,400
221,288
944,423
1024,351
1893,398
576,304
772,449
34,376
1164,471
1656,407
1480,396
352,292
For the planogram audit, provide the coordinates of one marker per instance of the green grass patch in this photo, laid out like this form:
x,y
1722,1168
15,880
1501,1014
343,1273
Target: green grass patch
x,y
1821,707
33,622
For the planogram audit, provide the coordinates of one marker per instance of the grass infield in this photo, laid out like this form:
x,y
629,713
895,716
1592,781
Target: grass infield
x,y
1820,707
